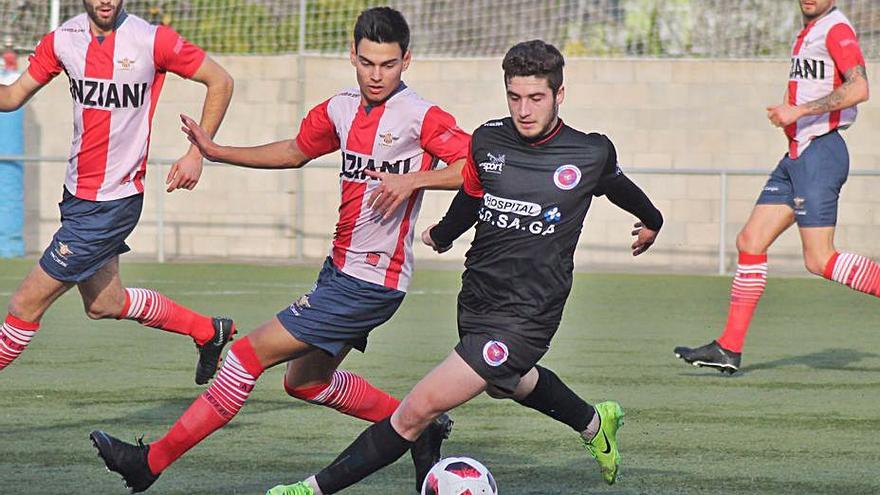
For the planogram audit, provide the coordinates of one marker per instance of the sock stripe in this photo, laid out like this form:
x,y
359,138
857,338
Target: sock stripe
x,y
13,339
232,385
856,272
349,394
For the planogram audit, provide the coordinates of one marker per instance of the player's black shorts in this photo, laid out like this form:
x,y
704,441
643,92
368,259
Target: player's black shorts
x,y
502,348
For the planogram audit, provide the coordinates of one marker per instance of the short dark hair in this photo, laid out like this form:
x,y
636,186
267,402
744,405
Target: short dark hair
x,y
534,58
382,25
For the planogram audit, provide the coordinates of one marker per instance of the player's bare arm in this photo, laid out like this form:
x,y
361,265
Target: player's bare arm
x,y
277,155
397,188
13,96
185,173
853,91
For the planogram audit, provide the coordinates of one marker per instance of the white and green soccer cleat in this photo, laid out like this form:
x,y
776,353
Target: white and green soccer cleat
x,y
603,447
301,488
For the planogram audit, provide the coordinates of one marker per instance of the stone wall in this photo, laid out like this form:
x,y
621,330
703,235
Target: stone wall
x,y
661,114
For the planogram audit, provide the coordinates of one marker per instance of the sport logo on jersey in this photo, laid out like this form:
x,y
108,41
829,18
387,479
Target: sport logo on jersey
x,y
494,165
552,215
495,353
567,177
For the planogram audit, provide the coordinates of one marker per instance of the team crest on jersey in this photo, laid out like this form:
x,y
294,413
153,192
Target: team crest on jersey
x,y
388,139
125,64
567,177
495,353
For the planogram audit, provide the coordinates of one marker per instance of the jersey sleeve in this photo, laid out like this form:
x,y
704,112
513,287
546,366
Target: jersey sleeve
x,y
610,169
441,136
43,64
317,134
173,53
843,46
471,175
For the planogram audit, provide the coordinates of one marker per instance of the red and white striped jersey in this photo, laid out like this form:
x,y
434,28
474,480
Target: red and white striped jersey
x,y
823,52
115,85
405,134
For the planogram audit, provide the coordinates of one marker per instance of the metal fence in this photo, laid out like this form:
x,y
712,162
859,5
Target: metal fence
x,y
655,28
297,228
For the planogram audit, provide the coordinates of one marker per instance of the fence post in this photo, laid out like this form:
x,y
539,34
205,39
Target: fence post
x,y
722,226
54,15
299,193
160,215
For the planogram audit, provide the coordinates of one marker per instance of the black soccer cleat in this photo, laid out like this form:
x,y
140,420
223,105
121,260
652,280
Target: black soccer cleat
x,y
426,450
711,355
209,353
129,461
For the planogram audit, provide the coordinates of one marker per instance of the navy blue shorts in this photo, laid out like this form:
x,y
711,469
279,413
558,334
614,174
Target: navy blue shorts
x,y
811,184
91,234
339,311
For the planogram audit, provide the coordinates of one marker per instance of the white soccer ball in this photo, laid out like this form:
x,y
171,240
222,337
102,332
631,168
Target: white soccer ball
x,y
459,476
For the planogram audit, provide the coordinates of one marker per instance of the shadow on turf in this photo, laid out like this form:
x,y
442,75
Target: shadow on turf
x,y
161,412
828,359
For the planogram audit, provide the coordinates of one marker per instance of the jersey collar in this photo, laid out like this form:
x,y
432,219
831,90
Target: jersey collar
x,y
123,15
543,139
369,106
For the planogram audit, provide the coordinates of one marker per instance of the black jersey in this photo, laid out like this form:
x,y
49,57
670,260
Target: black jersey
x,y
534,200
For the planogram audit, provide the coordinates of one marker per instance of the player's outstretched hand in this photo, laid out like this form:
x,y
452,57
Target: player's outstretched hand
x,y
426,238
645,237
198,137
390,195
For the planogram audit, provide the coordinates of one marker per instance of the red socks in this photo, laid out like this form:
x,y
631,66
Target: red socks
x,y
854,271
213,409
349,394
748,285
152,309
15,335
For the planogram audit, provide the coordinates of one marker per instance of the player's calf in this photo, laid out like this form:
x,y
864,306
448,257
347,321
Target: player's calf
x,y
854,271
152,309
349,394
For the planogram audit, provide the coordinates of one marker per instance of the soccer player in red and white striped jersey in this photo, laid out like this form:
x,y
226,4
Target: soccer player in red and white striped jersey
x,y
390,141
826,82
115,64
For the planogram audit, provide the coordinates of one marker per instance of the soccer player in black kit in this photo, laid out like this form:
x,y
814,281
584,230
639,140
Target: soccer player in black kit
x,y
528,183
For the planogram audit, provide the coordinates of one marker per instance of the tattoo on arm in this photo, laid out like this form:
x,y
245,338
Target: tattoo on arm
x,y
832,101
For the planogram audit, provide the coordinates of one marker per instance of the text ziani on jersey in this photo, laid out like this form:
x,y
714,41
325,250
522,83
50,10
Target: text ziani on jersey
x,y
403,135
114,86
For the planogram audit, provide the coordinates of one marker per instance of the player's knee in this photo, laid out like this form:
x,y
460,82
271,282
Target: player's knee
x,y
746,242
416,413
